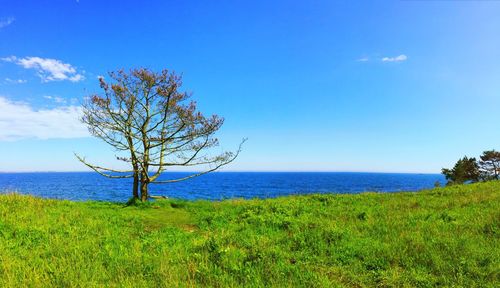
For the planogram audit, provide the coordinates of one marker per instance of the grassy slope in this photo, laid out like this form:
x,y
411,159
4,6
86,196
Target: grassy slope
x,y
447,236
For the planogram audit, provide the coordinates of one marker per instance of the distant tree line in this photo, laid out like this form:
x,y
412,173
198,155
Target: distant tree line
x,y
470,170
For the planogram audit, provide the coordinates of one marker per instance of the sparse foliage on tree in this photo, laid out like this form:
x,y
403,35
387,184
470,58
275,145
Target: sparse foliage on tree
x,y
490,165
465,170
152,124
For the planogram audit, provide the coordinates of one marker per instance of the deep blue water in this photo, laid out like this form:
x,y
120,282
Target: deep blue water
x,y
214,186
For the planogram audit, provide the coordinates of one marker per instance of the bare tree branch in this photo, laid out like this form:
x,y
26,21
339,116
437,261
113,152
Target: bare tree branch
x,y
98,169
204,172
144,114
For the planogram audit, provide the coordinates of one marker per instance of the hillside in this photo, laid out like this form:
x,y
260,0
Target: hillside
x,y
445,236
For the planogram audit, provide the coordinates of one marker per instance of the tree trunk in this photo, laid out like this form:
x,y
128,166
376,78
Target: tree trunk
x,y
135,188
144,189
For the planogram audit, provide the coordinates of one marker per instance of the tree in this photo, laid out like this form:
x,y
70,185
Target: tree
x,y
144,115
490,165
465,170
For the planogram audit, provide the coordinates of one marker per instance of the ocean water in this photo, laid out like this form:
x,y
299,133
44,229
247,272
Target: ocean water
x,y
214,186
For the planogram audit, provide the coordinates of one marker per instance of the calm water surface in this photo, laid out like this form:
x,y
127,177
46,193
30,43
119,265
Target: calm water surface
x,y
215,186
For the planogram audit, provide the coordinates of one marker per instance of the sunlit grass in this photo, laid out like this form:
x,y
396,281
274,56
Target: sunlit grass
x,y
446,236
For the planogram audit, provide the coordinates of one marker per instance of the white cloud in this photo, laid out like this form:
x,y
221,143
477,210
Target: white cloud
x,y
56,99
4,22
399,58
48,69
15,81
9,59
363,59
76,78
21,121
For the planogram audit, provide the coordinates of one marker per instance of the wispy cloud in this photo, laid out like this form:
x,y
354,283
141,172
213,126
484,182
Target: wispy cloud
x,y
363,59
56,99
48,69
4,22
15,81
399,58
21,121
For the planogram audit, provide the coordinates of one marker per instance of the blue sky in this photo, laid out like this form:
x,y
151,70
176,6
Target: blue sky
x,y
389,86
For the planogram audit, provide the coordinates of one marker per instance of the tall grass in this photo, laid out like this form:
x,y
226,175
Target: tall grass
x,y
441,237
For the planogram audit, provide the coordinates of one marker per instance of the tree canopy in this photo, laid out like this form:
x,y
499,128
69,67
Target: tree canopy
x,y
152,124
490,165
465,170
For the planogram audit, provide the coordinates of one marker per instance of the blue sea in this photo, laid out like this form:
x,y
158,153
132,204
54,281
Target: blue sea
x,y
214,186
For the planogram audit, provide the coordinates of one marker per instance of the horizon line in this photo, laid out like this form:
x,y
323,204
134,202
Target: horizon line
x,y
240,171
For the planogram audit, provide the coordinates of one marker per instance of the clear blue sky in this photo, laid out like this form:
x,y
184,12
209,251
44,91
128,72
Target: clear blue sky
x,y
390,86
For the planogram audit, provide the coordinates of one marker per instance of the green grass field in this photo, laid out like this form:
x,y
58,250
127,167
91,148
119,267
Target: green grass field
x,y
441,237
